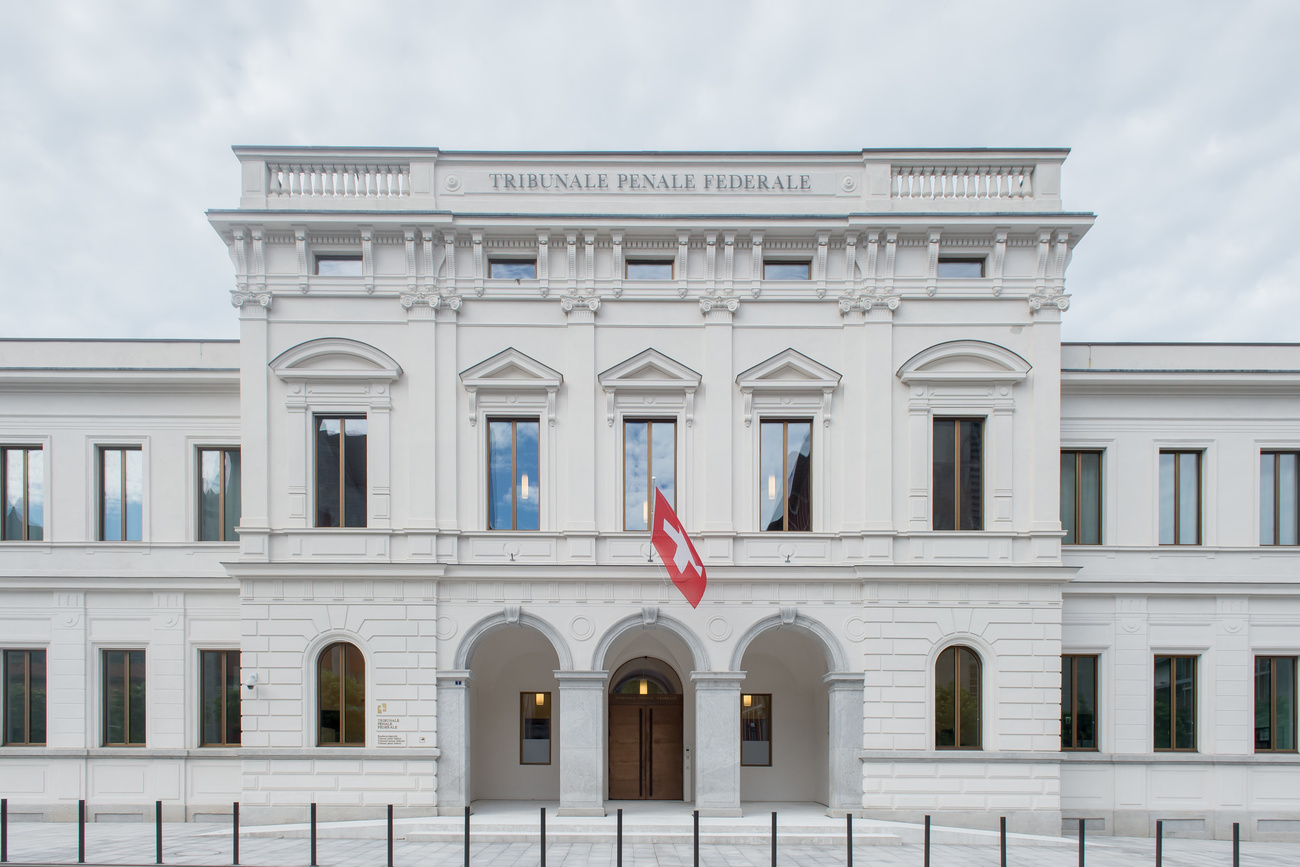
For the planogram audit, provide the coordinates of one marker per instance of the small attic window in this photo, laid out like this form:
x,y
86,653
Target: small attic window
x,y
338,266
960,267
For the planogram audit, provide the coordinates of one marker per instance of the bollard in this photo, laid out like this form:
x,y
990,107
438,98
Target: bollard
x,y
619,848
234,840
1236,844
697,838
543,842
467,835
4,829
390,835
313,834
849,817
81,832
157,831
1160,840
1081,832
774,838
1003,824
927,840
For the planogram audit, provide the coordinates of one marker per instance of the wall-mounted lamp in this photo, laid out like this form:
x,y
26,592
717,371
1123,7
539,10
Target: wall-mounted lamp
x,y
250,680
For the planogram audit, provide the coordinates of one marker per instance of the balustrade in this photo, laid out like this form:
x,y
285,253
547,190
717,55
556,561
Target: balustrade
x,y
962,182
334,180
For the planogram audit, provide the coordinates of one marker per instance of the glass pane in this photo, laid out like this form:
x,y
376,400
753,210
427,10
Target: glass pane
x,y
111,470
1185,703
136,719
771,476
115,696
327,692
971,476
1288,504
799,467
1284,703
512,270
230,520
1167,498
36,698
134,495
649,270
15,492
354,696
663,466
527,482
1067,497
945,695
1067,705
209,495
1085,698
354,472
500,493
234,722
327,472
969,672
756,730
15,700
1263,703
339,266
211,687
36,495
787,270
1161,710
1189,492
1267,498
945,474
961,268
1090,498
636,474
535,728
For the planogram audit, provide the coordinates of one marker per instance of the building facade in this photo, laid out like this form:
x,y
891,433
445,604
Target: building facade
x,y
390,545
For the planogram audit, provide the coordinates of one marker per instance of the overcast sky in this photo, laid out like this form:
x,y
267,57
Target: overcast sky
x,y
116,121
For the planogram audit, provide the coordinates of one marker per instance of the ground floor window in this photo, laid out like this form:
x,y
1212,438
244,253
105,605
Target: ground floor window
x,y
1078,702
534,728
756,730
219,691
957,700
341,684
24,702
1275,688
124,698
1174,706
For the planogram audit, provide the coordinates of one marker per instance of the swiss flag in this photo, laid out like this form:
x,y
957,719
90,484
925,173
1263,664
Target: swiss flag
x,y
675,548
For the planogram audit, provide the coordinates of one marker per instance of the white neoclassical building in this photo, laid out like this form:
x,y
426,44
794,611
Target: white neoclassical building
x,y
390,545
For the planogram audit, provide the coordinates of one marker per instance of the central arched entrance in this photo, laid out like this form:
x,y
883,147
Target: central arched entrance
x,y
645,731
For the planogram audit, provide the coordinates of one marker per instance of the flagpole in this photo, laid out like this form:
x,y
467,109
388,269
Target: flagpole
x,y
650,525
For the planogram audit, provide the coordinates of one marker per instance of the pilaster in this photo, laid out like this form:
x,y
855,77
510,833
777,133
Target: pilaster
x,y
453,742
582,742
717,742
845,740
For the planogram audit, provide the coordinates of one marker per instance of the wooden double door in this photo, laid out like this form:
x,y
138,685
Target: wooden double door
x,y
645,747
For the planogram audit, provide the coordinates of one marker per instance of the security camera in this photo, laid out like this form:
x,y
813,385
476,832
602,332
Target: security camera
x,y
250,680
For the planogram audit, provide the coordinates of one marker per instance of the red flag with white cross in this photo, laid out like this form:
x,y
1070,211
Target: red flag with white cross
x,y
675,549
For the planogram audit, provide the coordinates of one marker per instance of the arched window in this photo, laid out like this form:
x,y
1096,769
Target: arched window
x,y
341,685
957,700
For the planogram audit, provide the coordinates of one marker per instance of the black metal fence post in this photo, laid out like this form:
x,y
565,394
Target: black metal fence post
x,y
4,829
313,834
1160,840
234,840
157,831
849,824
619,847
390,835
697,838
774,838
927,840
1003,835
467,835
1236,844
81,832
1081,833
543,841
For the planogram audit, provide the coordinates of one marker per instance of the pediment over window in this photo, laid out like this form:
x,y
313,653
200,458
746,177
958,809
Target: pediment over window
x,y
650,371
335,358
792,373
965,361
510,371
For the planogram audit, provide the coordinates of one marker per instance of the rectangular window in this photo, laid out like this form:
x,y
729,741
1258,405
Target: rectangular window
x,y
649,452
121,500
958,474
1078,702
785,475
1174,709
1279,498
512,269
756,730
514,492
219,693
24,702
1081,497
1275,689
787,270
649,270
959,267
338,265
1180,498
124,698
534,728
340,472
22,491
218,495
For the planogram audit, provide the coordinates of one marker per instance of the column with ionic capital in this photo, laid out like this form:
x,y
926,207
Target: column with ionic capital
x,y
845,741
453,742
582,745
717,742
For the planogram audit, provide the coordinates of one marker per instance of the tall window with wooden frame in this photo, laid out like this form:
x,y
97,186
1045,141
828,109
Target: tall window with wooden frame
x,y
341,696
24,700
514,492
756,730
1081,497
219,698
958,692
218,495
649,453
121,494
534,728
1174,706
124,698
1180,497
22,493
340,471
1078,702
1279,498
958,474
785,475
1275,714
